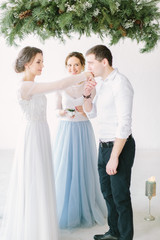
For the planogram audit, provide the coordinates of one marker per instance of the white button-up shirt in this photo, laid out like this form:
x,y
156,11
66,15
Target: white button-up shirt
x,y
113,107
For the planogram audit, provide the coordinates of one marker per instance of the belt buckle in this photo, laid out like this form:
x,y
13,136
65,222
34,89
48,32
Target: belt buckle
x,y
102,144
107,144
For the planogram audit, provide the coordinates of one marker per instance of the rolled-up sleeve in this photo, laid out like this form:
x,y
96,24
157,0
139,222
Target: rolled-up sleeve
x,y
92,113
123,94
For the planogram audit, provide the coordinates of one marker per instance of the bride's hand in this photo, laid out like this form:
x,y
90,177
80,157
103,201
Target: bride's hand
x,y
89,75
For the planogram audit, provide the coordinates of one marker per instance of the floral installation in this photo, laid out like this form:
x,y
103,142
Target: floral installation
x,y
137,20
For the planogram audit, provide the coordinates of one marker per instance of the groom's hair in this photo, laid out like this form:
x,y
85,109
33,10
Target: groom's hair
x,y
101,52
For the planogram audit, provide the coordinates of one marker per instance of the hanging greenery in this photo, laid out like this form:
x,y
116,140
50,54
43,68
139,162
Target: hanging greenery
x,y
116,19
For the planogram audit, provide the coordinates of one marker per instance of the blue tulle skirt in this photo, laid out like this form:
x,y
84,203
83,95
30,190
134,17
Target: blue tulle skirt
x,y
79,199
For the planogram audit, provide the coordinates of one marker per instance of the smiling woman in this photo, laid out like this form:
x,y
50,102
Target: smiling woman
x,y
75,63
79,200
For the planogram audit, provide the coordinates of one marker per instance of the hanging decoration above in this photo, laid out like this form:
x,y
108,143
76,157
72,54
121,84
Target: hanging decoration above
x,y
116,19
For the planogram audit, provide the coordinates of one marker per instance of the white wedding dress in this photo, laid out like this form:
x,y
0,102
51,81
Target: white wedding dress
x,y
30,212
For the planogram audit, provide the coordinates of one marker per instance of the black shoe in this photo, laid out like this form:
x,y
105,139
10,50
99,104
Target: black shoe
x,y
106,236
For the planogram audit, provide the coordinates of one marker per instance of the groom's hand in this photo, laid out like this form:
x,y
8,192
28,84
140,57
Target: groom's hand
x,y
89,86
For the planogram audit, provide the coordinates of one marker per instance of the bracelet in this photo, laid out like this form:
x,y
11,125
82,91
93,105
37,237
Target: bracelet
x,y
89,96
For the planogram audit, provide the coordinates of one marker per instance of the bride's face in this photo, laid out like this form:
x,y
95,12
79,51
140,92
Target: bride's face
x,y
74,66
35,66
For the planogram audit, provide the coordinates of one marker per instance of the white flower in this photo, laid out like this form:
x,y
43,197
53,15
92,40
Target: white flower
x,y
138,8
117,5
96,12
16,15
70,8
87,5
129,24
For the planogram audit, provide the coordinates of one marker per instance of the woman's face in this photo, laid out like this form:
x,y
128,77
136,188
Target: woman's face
x,y
74,66
35,66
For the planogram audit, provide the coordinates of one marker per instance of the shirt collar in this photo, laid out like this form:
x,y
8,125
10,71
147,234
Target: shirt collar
x,y
111,75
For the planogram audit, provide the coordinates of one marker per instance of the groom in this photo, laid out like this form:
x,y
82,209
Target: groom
x,y
113,108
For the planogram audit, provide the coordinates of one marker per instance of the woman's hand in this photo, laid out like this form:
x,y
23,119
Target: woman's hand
x,y
80,110
89,75
62,112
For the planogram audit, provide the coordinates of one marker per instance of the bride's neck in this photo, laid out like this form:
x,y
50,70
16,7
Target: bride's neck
x,y
28,77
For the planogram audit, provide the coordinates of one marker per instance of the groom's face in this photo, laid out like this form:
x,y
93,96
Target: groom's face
x,y
95,66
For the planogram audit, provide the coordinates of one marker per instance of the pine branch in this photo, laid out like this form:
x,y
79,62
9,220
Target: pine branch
x,y
135,19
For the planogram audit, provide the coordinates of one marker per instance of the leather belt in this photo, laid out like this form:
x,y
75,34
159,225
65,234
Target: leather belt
x,y
111,143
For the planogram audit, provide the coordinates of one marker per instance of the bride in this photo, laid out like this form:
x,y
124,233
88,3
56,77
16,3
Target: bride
x,y
30,212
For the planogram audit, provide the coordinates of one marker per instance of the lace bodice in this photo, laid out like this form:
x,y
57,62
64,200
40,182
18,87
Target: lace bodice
x,y
31,98
34,109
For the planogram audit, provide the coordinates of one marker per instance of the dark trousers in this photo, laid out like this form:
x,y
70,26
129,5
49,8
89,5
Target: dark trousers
x,y
116,190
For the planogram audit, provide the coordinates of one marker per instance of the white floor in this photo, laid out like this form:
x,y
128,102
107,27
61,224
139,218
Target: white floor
x,y
146,165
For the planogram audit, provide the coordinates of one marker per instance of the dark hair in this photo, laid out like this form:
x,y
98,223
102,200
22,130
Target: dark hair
x,y
25,56
101,52
77,55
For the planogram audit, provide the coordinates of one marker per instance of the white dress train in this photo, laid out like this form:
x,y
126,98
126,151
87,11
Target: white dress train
x,y
30,209
30,212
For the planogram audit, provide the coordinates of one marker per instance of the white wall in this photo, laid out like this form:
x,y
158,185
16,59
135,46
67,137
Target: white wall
x,y
142,70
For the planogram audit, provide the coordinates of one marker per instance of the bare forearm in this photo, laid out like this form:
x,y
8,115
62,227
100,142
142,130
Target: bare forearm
x,y
67,81
118,146
111,167
56,85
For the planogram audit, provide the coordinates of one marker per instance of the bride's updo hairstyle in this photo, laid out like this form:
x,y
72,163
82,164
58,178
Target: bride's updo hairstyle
x,y
77,55
25,56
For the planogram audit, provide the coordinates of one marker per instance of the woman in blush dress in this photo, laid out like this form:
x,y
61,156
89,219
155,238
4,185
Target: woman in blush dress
x,y
30,212
79,199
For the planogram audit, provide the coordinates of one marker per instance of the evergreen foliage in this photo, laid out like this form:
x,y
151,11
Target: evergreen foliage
x,y
117,19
